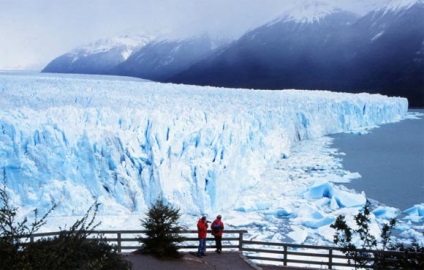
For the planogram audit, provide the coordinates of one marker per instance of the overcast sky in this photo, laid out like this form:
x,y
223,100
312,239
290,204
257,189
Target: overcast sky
x,y
33,32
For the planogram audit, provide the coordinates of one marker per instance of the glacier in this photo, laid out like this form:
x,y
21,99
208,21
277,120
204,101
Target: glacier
x,y
261,158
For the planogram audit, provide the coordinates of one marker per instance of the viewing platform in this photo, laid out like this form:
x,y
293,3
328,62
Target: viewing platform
x,y
231,260
238,253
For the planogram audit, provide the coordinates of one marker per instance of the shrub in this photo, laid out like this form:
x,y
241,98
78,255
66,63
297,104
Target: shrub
x,y
370,253
14,234
71,249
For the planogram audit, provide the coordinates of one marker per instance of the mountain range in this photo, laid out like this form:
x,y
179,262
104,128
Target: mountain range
x,y
379,52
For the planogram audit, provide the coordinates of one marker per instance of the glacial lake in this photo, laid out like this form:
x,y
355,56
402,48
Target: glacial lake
x,y
390,160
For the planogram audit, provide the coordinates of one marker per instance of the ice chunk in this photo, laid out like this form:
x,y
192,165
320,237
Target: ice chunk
x,y
316,223
386,212
415,213
348,199
416,210
298,234
319,190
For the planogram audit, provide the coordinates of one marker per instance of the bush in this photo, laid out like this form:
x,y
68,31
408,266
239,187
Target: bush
x,y
162,231
411,257
70,252
71,249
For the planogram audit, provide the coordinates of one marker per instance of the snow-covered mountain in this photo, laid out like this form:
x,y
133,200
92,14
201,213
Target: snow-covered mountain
x,y
149,58
312,45
309,11
256,157
381,52
99,57
286,53
395,5
162,59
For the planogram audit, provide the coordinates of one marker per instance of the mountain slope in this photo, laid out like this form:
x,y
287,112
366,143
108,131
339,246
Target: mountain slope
x,y
381,52
277,56
391,58
99,57
160,60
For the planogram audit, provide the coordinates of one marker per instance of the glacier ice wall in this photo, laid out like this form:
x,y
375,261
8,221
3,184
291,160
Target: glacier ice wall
x,y
126,142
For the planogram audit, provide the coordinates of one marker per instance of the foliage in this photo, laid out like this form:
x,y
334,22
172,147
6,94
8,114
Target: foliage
x,y
343,237
370,253
12,232
411,257
163,231
71,249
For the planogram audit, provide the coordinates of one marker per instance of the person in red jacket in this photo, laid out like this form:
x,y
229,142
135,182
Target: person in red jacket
x,y
202,228
217,228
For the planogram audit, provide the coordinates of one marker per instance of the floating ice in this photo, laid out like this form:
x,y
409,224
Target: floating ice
x,y
416,210
415,213
298,235
386,212
320,190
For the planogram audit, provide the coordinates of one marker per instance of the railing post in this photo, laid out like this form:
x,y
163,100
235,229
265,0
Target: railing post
x,y
119,242
240,241
285,255
330,259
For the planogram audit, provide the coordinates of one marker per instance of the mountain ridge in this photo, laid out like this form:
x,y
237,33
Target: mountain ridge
x,y
377,53
338,50
98,57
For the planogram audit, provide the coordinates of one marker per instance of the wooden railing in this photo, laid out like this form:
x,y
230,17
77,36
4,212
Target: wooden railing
x,y
284,254
128,240
259,252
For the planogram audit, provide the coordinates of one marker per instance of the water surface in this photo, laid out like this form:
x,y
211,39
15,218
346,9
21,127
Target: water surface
x,y
390,160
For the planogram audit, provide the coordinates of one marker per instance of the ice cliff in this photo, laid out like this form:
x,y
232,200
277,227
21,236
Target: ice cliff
x,y
73,139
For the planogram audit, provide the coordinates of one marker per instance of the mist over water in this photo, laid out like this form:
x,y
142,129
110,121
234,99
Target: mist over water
x,y
390,160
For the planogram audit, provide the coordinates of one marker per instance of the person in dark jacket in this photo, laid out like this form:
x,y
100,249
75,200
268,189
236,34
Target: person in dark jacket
x,y
202,228
217,228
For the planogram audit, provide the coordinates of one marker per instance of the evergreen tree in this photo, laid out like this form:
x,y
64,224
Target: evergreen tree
x,y
163,231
